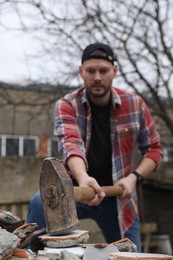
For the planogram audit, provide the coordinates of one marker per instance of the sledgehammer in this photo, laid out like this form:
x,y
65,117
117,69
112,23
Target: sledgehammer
x,y
59,197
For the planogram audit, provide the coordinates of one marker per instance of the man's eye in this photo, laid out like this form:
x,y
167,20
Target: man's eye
x,y
90,71
103,71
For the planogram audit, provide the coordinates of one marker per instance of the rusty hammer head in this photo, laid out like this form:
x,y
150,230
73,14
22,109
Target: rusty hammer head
x,y
57,194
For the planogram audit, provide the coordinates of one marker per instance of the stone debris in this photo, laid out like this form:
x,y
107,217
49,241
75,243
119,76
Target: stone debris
x,y
135,256
59,254
13,233
125,245
66,256
19,240
72,239
101,253
28,233
8,242
21,254
6,217
9,221
23,231
32,240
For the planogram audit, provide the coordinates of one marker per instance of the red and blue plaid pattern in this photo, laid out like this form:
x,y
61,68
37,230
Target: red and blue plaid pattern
x,y
131,126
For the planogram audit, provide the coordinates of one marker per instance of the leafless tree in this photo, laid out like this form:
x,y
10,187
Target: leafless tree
x,y
138,30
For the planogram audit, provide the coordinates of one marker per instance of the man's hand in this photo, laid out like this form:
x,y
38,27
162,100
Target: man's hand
x,y
91,182
145,167
129,184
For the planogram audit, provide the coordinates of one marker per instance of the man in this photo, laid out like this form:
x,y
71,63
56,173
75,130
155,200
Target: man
x,y
98,127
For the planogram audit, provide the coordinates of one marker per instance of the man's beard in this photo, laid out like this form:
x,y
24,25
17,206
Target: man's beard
x,y
97,94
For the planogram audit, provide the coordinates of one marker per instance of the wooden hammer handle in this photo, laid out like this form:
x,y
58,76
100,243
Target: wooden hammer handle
x,y
88,193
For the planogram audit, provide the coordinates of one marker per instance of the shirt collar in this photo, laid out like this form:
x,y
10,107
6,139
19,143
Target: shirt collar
x,y
116,100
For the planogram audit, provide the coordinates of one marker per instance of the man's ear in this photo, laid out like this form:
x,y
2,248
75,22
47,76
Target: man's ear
x,y
80,71
115,70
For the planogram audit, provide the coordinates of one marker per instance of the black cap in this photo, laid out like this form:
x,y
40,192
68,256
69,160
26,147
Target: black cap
x,y
88,52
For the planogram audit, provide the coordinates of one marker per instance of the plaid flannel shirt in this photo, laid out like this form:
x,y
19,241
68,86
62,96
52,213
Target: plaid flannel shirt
x,y
131,125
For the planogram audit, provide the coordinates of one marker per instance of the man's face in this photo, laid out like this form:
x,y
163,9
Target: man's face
x,y
98,76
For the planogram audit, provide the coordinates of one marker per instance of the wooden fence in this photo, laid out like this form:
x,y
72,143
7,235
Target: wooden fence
x,y
19,208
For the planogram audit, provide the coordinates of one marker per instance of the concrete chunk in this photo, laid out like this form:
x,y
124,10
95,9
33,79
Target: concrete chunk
x,y
23,231
8,242
74,238
125,245
56,253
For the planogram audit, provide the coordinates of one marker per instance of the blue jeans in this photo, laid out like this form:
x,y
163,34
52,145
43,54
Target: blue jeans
x,y
105,215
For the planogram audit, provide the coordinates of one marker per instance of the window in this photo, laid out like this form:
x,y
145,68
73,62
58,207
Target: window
x,y
29,147
12,146
18,145
168,154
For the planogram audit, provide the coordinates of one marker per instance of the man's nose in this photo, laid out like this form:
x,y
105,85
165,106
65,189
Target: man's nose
x,y
97,76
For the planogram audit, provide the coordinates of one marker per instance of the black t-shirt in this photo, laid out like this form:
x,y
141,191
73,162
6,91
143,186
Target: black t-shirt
x,y
99,156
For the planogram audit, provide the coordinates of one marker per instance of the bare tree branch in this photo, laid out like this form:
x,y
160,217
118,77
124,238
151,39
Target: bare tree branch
x,y
139,32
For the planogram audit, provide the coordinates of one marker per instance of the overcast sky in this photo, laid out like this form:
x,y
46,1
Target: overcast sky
x,y
14,47
12,50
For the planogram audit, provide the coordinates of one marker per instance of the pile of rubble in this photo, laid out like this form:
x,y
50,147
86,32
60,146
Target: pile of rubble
x,y
19,240
16,237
